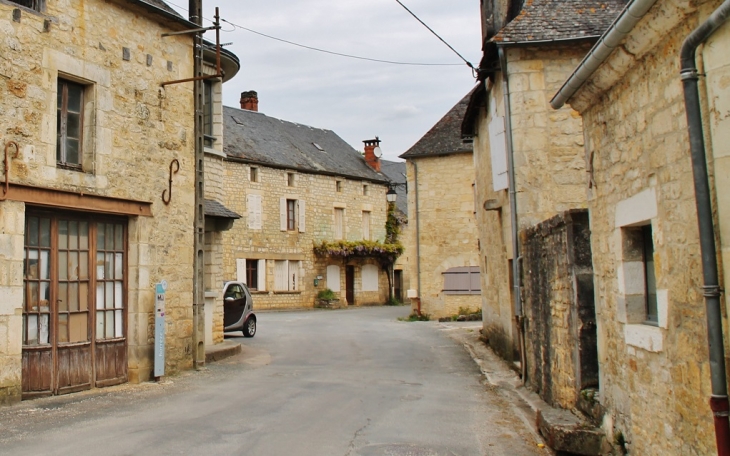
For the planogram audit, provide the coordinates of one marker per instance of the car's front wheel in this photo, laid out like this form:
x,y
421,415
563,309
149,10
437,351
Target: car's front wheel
x,y
249,328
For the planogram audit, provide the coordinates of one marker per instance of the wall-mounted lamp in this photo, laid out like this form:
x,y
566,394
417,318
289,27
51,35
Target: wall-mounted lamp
x,y
391,196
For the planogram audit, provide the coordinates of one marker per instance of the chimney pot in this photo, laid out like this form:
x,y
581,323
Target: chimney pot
x,y
250,100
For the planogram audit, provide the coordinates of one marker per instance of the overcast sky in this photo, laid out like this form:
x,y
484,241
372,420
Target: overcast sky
x,y
356,99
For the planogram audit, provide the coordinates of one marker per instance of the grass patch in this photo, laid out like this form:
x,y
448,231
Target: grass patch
x,y
415,317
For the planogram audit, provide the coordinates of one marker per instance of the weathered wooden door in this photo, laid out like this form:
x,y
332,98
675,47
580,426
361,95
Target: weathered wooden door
x,y
350,285
398,285
73,338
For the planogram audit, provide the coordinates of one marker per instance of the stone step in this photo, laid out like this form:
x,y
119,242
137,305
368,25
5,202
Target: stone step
x,y
564,431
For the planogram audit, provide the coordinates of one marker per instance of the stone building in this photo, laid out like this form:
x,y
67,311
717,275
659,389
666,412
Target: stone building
x,y
90,221
653,350
441,239
297,186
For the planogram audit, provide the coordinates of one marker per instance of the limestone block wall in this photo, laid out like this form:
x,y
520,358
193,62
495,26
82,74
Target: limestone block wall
x,y
444,227
11,293
258,236
133,129
654,379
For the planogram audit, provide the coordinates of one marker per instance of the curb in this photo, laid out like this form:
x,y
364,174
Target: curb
x,y
221,351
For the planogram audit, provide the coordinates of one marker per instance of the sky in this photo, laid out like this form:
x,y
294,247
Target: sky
x,y
356,99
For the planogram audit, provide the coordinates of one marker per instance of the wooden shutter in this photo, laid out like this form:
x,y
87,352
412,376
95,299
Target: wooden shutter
x,y
302,216
262,275
281,270
369,277
282,214
254,212
333,278
241,270
293,276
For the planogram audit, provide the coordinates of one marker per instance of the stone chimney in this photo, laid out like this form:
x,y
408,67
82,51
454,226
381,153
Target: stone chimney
x,y
250,100
371,159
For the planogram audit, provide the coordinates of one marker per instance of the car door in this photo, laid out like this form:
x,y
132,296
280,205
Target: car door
x,y
234,304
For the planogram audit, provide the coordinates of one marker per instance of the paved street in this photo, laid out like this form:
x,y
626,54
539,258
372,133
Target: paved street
x,y
342,383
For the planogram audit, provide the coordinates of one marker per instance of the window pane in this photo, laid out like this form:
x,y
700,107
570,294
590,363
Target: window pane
x,y
99,295
62,265
31,265
84,265
109,237
72,151
63,328
100,236
33,296
78,326
109,325
73,297
32,329
63,297
100,325
73,235
109,295
32,234
63,234
45,232
45,297
118,324
73,265
83,296
100,266
84,235
118,266
45,265
75,93
109,266
118,294
119,237
44,337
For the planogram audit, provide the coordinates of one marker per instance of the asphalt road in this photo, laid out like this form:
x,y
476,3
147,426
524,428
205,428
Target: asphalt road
x,y
341,383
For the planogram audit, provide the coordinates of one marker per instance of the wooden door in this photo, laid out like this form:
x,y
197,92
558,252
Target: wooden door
x,y
398,285
350,285
66,345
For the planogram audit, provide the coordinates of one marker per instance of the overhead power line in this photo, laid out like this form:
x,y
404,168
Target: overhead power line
x,y
340,54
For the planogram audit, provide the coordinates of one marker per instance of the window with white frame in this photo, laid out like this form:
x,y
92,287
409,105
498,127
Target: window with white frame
x,y
640,288
292,214
252,272
462,280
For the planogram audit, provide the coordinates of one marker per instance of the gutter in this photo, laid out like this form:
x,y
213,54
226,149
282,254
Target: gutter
x,y
712,291
608,42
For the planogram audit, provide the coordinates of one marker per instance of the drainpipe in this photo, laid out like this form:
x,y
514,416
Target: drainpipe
x,y
712,291
418,239
516,258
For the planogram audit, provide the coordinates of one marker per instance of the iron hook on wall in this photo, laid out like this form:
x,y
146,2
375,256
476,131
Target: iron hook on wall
x,y
175,163
7,164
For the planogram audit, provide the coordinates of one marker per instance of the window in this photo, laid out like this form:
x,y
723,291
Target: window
x,y
338,186
641,292
365,190
290,179
339,227
37,5
208,113
292,214
462,280
252,274
254,174
69,124
366,225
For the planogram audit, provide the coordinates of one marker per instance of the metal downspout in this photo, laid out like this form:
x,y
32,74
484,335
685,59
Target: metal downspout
x,y
418,237
516,258
712,291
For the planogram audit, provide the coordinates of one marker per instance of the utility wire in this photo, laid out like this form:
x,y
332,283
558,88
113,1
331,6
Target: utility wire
x,y
332,52
468,63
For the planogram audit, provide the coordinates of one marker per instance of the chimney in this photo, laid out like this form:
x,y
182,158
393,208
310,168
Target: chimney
x,y
371,157
250,100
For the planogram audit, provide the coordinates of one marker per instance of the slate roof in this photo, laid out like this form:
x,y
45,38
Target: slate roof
x,y
257,138
552,20
162,5
215,209
396,172
444,138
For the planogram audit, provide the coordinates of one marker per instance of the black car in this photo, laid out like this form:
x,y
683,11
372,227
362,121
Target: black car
x,y
238,309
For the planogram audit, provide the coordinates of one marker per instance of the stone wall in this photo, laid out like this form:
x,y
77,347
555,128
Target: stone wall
x,y
320,196
133,129
559,308
443,229
655,380
550,172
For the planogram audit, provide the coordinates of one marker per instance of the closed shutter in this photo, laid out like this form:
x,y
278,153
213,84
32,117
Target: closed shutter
x,y
366,225
498,152
339,222
281,270
254,212
369,277
262,275
293,277
282,214
302,217
241,270
333,278
462,280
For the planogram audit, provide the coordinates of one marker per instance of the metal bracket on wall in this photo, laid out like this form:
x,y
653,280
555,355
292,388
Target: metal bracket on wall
x,y
6,162
177,168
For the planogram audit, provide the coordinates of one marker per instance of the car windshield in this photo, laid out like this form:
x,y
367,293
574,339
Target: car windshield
x,y
234,291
